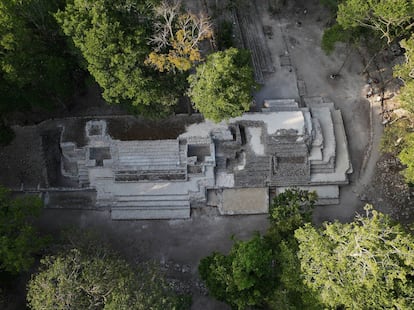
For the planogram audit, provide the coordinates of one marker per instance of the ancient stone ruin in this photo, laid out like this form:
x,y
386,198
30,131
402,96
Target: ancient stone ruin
x,y
235,165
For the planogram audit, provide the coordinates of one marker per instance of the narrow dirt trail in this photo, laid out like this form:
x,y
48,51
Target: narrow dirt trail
x,y
373,154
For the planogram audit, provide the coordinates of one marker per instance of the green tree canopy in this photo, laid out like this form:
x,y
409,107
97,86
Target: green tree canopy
x,y
398,139
405,72
391,18
36,66
265,270
406,155
402,130
97,279
289,211
19,240
244,277
366,264
221,87
112,36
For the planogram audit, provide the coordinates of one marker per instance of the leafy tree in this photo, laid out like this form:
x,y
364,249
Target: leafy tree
x,y
221,87
36,66
96,278
265,270
405,72
289,211
391,18
243,278
401,130
406,156
112,37
366,264
177,37
331,36
290,293
19,240
336,34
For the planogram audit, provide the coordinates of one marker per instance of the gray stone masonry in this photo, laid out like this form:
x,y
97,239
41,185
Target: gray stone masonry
x,y
163,178
284,146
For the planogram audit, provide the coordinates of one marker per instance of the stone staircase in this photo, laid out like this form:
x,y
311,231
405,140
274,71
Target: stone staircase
x,y
150,161
254,40
83,174
169,206
146,155
339,165
327,163
343,159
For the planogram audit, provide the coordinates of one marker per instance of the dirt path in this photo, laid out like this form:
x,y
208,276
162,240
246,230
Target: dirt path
x,y
372,155
296,40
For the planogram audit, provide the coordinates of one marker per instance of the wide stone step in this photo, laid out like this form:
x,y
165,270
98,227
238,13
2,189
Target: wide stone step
x,y
324,115
141,170
156,213
149,144
83,173
170,197
151,177
280,103
309,101
279,108
149,158
143,165
327,201
143,148
144,145
343,159
153,203
322,170
149,169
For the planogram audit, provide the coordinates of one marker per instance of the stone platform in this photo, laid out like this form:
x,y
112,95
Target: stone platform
x,y
284,146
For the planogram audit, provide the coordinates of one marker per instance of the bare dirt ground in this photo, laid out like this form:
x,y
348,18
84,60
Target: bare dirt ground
x,y
179,245
297,33
376,177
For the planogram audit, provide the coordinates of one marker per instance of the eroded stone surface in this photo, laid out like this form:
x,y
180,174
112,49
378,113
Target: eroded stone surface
x,y
284,146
